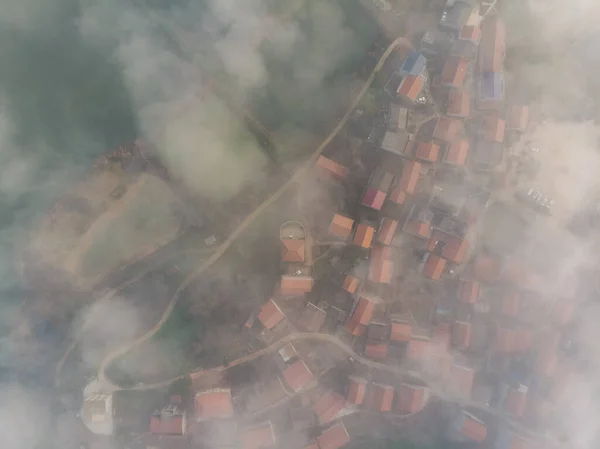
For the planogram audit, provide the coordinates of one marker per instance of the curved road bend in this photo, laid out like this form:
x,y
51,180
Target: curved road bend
x,y
253,216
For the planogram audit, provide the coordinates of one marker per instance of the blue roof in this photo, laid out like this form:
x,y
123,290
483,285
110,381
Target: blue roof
x,y
413,64
492,86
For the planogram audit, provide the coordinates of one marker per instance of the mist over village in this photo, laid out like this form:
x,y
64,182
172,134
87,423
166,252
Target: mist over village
x,y
299,224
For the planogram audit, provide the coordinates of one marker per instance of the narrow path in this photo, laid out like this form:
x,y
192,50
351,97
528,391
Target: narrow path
x,y
113,355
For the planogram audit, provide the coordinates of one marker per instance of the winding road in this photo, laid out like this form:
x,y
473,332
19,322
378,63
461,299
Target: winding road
x,y
113,355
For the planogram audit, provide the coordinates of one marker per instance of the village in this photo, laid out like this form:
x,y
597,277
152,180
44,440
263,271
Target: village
x,y
419,323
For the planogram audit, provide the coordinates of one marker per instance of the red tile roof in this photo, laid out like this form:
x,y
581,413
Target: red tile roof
x,y
457,152
363,236
373,198
258,437
380,397
328,406
518,117
270,314
516,402
296,285
398,196
470,33
410,398
441,336
297,375
381,266
494,128
213,404
510,304
334,438
454,72
446,129
459,104
377,351
492,47
454,249
461,380
167,425
411,86
505,340
547,361
332,167
517,442
357,388
341,226
427,151
387,230
461,334
474,430
434,267
418,228
401,331
362,315
351,283
469,291
411,171
292,250
418,348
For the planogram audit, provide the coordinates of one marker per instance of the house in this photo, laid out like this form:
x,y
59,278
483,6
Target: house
x,y
341,226
454,72
468,427
377,350
461,380
351,283
332,168
259,437
397,117
293,250
361,316
387,230
401,331
427,151
457,152
419,222
357,387
296,285
510,304
516,401
411,171
213,404
297,376
334,438
312,318
394,142
379,397
446,129
523,339
381,266
450,247
487,155
434,267
467,44
461,334
455,16
470,33
442,336
508,440
562,311
518,118
377,190
491,91
363,236
171,420
468,291
494,129
418,348
411,398
458,104
505,340
493,45
414,64
411,87
270,314
328,406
